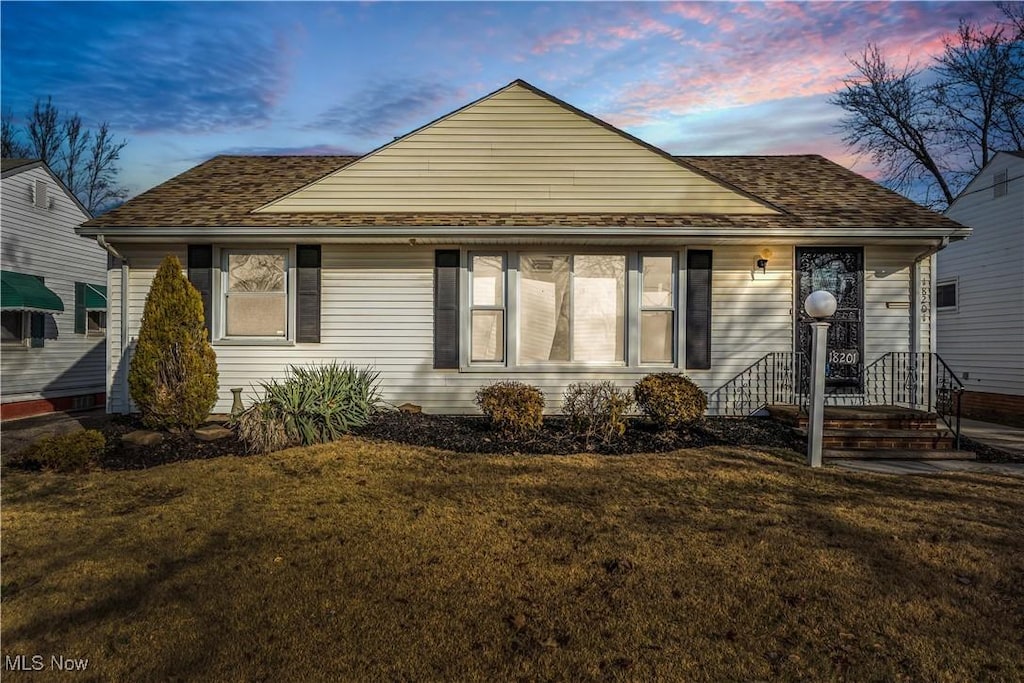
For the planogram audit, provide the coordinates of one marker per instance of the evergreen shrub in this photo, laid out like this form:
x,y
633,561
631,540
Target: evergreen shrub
x,y
173,374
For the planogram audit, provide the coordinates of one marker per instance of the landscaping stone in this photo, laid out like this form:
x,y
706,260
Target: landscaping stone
x,y
410,408
212,432
142,437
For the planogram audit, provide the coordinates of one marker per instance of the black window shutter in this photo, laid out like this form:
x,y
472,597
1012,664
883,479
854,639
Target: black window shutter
x,y
79,308
446,308
698,309
307,295
200,274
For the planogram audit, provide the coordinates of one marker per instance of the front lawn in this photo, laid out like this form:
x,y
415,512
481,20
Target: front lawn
x,y
370,561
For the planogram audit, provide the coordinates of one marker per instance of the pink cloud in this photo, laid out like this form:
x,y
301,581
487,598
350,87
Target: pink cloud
x,y
802,53
635,25
556,39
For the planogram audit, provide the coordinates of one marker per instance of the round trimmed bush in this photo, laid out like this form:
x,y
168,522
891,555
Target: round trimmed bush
x,y
670,400
514,408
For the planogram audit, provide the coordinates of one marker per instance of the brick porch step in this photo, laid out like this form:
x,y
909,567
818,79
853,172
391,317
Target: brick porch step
x,y
895,454
866,417
860,439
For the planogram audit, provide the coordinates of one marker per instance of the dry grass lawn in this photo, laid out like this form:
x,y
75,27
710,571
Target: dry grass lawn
x,y
370,561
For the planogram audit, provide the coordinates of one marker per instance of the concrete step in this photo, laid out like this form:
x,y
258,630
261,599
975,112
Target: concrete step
x,y
895,454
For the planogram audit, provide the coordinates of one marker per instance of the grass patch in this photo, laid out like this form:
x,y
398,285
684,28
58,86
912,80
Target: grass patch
x,y
365,561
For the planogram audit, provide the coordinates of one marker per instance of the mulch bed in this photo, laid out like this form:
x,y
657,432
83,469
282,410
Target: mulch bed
x,y
461,433
471,434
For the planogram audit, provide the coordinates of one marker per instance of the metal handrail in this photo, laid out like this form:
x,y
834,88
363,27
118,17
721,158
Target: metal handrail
x,y
918,380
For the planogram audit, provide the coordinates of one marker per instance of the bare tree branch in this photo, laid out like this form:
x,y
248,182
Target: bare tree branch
x,y
891,120
931,130
44,131
10,146
101,170
85,160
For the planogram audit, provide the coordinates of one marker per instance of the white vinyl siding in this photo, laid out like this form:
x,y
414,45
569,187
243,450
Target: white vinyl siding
x,y
42,241
377,310
516,152
982,339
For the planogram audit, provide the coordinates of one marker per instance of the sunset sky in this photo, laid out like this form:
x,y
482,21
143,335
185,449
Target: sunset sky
x,y
186,81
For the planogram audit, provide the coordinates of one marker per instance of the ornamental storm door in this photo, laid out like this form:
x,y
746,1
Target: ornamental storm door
x,y
839,270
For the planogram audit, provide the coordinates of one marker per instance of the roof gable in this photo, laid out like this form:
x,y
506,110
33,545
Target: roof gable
x,y
11,167
519,151
982,180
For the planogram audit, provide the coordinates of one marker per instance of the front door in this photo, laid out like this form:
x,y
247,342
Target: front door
x,y
839,270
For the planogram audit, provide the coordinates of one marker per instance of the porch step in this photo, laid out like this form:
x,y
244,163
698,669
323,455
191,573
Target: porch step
x,y
895,454
870,439
867,417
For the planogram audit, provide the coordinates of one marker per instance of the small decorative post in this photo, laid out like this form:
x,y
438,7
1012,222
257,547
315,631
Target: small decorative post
x,y
819,305
236,401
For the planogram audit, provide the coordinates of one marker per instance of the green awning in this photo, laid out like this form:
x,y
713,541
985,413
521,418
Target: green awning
x,y
95,297
20,292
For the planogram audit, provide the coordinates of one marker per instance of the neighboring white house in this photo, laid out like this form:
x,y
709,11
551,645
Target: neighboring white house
x,y
980,292
519,237
52,355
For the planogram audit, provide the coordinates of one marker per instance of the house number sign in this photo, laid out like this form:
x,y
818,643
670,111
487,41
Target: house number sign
x,y
843,356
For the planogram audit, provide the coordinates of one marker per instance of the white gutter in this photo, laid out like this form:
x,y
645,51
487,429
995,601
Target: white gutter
x,y
125,280
454,233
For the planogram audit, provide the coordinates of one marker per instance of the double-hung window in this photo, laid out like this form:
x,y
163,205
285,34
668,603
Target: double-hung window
x,y
572,308
487,308
657,308
255,293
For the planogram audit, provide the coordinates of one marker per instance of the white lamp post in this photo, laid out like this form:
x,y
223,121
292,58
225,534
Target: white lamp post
x,y
819,305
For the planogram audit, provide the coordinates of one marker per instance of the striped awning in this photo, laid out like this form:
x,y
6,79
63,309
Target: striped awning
x,y
20,292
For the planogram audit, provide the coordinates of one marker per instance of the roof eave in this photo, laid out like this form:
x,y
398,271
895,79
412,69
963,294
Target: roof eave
x,y
162,234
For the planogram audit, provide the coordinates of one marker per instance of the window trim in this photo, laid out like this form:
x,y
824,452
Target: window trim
x,y
673,307
955,282
220,293
632,300
503,307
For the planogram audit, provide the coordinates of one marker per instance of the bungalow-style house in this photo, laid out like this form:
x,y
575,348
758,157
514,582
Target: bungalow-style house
x,y
521,238
53,291
980,292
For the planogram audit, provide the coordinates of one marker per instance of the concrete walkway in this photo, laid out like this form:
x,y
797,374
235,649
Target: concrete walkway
x,y
1009,439
930,466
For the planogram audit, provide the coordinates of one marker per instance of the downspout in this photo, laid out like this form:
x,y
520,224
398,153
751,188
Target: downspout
x,y
125,272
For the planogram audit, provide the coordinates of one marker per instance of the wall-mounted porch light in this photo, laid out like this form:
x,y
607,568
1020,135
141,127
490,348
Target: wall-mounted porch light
x,y
762,261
